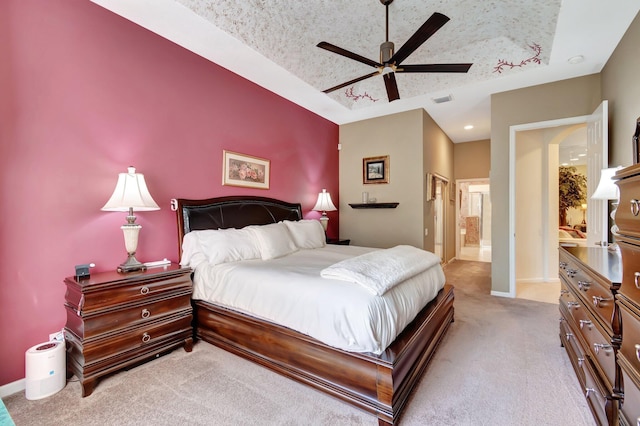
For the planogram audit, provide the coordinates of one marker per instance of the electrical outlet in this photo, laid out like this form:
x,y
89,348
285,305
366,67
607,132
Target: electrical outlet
x,y
58,335
426,232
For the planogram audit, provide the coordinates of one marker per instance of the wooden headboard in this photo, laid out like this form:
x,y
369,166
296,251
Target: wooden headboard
x,y
231,212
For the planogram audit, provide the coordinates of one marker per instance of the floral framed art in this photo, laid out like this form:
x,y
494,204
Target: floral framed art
x,y
245,170
375,170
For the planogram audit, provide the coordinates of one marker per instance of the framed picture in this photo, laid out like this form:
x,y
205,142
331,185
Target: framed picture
x,y
245,170
375,169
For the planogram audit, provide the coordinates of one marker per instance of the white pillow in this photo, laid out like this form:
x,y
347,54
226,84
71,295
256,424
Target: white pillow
x,y
192,254
274,240
306,234
228,245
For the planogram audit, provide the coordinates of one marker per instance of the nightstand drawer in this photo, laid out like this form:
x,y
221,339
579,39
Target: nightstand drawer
x,y
93,326
96,297
97,354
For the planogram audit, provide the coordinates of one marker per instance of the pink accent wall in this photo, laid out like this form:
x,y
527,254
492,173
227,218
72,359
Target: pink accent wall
x,y
86,93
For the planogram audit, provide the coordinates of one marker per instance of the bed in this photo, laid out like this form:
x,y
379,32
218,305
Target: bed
x,y
377,383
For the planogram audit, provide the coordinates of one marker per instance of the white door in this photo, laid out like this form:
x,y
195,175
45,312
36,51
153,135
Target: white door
x,y
597,159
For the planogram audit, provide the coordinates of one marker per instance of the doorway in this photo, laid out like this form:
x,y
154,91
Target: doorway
x,y
533,231
473,223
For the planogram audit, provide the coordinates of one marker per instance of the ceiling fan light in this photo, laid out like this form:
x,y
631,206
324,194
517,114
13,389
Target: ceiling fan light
x,y
386,70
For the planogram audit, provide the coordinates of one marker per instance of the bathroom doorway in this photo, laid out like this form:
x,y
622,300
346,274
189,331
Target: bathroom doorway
x,y
473,224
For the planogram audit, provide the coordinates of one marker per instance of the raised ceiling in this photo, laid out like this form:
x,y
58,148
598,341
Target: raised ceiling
x,y
511,43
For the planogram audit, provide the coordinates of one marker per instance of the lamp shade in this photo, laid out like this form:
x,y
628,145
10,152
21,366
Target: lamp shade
x,y
131,193
324,202
607,189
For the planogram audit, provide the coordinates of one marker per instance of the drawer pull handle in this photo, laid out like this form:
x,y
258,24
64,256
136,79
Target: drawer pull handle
x,y
145,337
573,305
568,336
580,361
638,351
144,290
603,346
598,301
563,291
589,391
563,265
635,208
585,322
571,272
145,313
635,280
584,285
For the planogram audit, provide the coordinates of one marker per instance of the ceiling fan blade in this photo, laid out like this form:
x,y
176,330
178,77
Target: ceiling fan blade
x,y
392,86
340,51
433,24
348,83
435,68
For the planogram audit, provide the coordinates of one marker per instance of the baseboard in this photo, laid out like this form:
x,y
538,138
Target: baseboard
x,y
502,294
11,388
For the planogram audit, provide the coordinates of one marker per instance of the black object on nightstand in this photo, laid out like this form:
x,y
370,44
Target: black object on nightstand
x,y
338,241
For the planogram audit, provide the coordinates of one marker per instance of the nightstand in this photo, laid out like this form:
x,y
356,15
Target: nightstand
x,y
338,241
117,320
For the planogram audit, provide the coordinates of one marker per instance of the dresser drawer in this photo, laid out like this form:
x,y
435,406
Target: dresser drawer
x,y
600,400
595,342
90,296
95,355
630,252
111,321
628,214
590,289
630,348
630,409
574,349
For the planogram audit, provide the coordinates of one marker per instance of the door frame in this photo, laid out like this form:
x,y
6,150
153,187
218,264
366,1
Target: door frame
x,y
458,183
513,130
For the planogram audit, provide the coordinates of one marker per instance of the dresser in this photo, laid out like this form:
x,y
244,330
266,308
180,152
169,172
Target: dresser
x,y
118,320
589,324
628,298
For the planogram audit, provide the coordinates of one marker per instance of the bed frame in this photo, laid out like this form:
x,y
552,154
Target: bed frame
x,y
379,384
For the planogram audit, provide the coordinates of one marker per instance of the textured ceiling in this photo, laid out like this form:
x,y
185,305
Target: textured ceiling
x,y
482,33
511,43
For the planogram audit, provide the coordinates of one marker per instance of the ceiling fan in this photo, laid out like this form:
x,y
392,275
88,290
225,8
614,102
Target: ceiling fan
x,y
390,62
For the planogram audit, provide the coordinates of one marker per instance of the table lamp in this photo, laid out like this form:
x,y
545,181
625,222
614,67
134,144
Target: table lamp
x,y
324,204
131,194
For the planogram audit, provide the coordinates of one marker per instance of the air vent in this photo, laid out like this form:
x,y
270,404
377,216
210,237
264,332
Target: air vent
x,y
443,99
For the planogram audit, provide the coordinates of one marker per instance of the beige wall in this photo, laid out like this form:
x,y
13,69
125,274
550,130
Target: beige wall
x,y
416,146
400,137
472,160
621,86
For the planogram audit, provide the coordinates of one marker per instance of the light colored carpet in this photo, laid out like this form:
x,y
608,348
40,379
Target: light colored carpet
x,y
501,363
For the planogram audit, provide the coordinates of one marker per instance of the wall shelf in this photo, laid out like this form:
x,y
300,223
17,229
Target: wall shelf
x,y
373,205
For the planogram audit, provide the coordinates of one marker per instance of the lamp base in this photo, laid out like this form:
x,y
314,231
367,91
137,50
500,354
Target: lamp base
x,y
131,265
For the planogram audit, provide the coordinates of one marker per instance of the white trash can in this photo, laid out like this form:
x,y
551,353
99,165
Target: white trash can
x,y
45,369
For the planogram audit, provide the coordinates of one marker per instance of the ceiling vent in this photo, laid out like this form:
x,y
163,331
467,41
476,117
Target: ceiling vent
x,y
443,99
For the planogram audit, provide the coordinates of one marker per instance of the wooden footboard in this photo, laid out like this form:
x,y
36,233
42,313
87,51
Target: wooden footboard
x,y
379,384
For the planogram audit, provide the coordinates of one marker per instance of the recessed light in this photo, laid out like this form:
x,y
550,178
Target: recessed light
x,y
582,155
573,159
468,127
575,59
564,164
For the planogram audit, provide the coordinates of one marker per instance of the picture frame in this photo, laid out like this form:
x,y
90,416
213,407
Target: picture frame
x,y
245,170
375,170
430,187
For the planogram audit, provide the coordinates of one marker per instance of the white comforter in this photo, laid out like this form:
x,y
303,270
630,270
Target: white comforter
x,y
290,291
